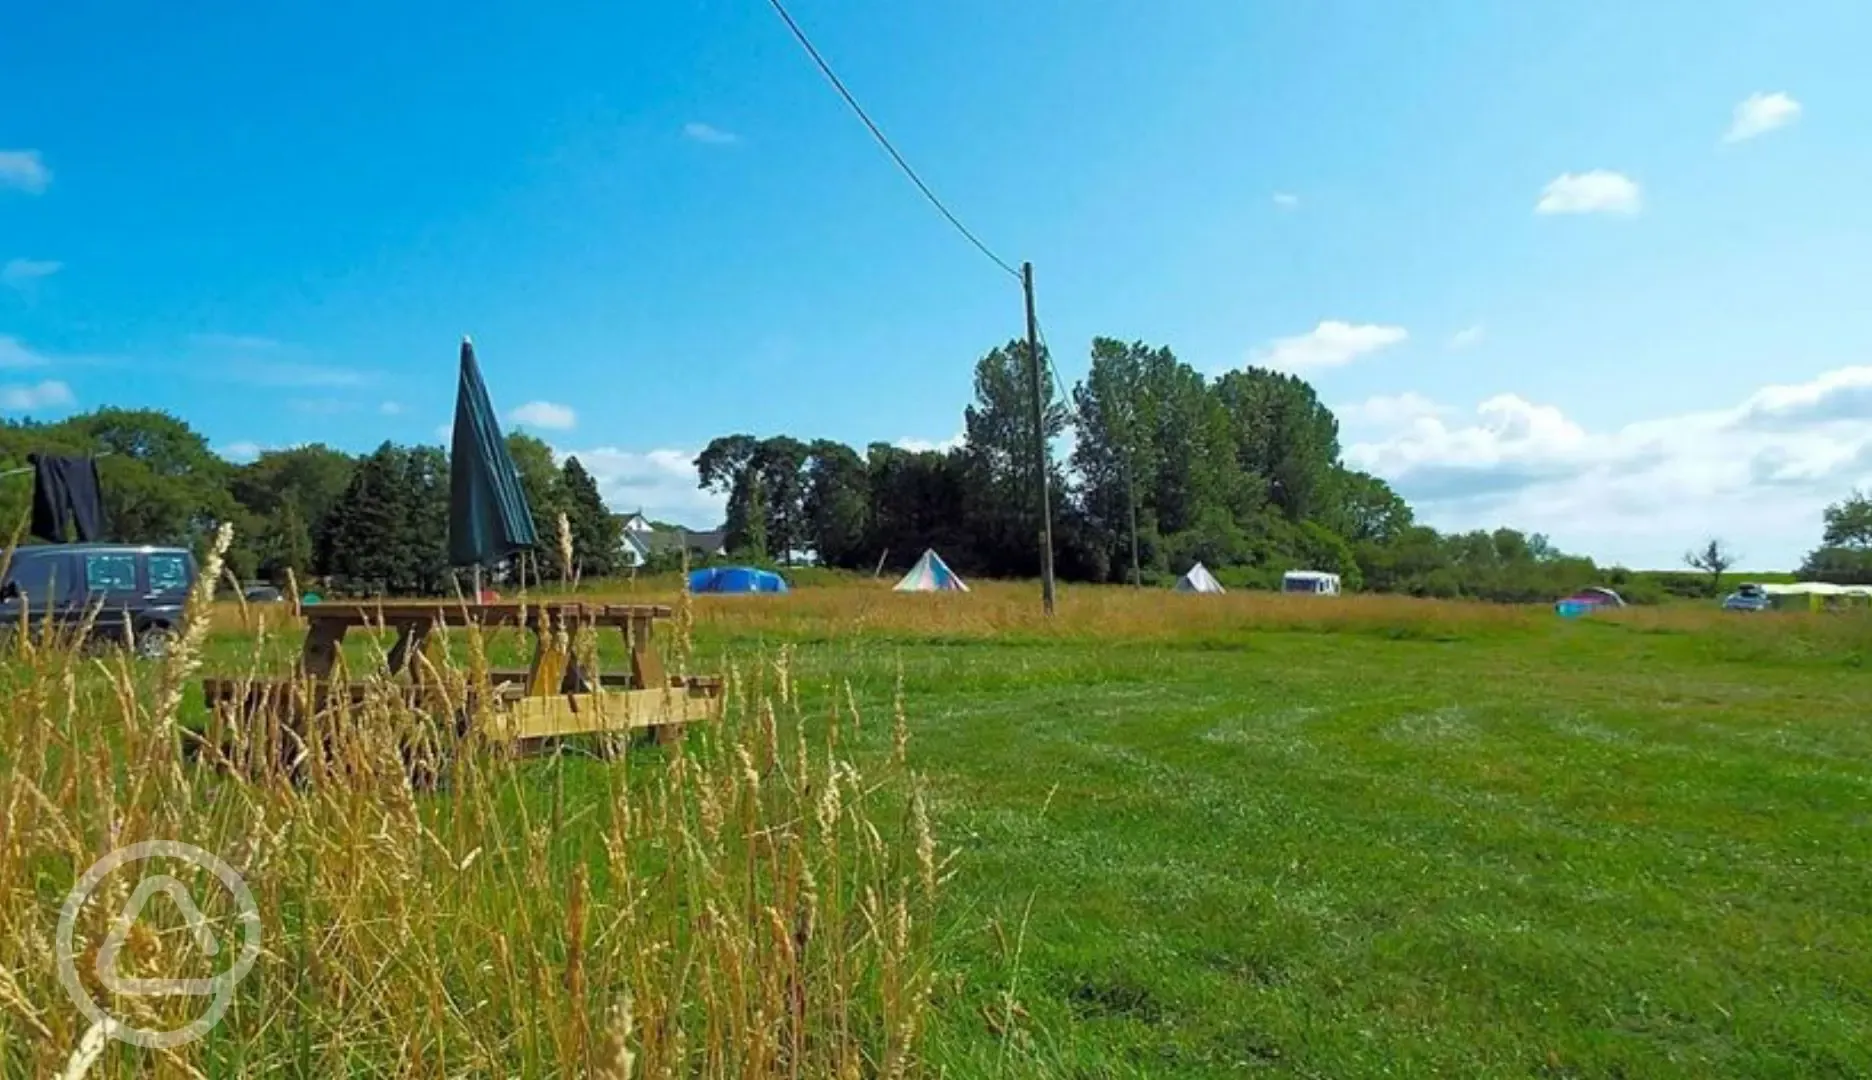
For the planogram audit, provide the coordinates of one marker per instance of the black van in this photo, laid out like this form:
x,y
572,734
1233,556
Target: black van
x,y
137,592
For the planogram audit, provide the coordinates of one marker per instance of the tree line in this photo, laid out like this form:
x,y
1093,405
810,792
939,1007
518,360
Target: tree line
x,y
375,523
1167,468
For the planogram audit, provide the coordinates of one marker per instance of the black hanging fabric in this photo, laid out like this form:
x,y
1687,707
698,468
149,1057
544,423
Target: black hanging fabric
x,y
66,489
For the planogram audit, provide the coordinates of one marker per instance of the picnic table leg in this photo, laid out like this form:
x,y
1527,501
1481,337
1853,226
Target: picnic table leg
x,y
321,649
549,669
409,642
646,666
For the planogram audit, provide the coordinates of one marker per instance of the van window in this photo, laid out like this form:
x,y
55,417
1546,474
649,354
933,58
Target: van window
x,y
168,573
110,573
42,581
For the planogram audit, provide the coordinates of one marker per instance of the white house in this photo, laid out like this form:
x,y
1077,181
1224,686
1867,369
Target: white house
x,y
634,538
639,539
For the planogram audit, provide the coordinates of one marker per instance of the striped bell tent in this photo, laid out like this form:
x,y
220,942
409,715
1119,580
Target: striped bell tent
x,y
931,574
1199,580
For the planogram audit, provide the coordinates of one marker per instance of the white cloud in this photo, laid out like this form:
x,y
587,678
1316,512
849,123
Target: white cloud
x,y
1286,200
1595,192
24,170
19,273
445,433
921,446
696,131
1758,114
46,395
1468,337
1758,473
1330,344
1387,412
15,354
391,408
545,415
661,483
240,453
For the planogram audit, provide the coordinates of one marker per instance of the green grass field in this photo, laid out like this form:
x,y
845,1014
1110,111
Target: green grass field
x,y
1369,837
1557,849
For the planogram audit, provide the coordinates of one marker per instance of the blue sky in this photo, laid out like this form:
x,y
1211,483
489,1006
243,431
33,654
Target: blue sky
x,y
1595,268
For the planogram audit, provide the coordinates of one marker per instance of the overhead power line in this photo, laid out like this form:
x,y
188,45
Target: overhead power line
x,y
839,85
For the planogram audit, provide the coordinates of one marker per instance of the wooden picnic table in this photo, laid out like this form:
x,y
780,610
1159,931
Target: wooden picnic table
x,y
553,696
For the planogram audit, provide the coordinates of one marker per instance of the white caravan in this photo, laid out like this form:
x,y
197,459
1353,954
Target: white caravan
x,y
1313,582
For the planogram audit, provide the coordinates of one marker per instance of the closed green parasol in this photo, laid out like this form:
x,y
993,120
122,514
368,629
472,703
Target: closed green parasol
x,y
488,514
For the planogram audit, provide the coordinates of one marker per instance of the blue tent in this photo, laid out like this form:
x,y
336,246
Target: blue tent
x,y
735,579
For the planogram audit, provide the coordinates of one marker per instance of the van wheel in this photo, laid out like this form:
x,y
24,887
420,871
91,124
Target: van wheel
x,y
153,641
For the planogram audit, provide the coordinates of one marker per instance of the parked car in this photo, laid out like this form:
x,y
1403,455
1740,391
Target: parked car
x,y
131,592
1747,598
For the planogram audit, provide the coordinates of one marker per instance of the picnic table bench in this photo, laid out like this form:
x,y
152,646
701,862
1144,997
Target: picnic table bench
x,y
553,696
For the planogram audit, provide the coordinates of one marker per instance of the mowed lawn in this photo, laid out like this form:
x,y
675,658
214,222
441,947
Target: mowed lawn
x,y
1379,840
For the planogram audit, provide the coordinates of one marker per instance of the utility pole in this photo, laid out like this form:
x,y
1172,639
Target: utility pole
x,y
1035,382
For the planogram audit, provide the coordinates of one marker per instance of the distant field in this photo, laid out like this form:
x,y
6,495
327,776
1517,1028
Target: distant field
x,y
1200,836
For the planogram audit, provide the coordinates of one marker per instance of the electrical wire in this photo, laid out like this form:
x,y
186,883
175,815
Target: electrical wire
x,y
1047,352
839,85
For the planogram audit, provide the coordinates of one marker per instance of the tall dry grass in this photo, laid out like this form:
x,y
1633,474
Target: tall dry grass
x,y
753,902
1003,610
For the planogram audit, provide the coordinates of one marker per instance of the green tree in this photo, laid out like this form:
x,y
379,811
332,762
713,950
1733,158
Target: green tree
x,y
424,535
997,456
364,543
284,545
307,479
597,535
1361,507
539,480
753,537
1284,436
917,502
780,463
1714,558
1849,522
836,504
726,466
1115,453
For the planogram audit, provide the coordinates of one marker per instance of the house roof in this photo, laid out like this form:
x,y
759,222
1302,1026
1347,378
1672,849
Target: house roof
x,y
710,541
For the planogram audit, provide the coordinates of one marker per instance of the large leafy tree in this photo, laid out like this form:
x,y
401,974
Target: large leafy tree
x,y
424,536
917,502
597,535
1284,436
365,542
780,464
1115,454
836,504
539,479
1849,522
1361,507
286,495
997,455
1844,556
726,467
